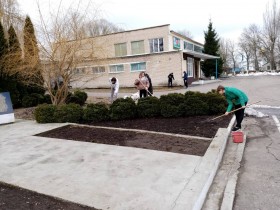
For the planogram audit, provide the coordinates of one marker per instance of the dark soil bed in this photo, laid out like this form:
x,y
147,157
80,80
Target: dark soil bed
x,y
195,126
130,139
15,198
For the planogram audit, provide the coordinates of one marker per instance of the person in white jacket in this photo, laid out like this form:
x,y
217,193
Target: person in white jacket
x,y
114,88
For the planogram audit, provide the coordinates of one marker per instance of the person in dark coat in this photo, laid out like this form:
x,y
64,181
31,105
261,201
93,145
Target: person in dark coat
x,y
150,89
185,78
170,78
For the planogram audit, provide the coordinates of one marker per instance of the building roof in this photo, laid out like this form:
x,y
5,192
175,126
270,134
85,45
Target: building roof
x,y
186,38
200,55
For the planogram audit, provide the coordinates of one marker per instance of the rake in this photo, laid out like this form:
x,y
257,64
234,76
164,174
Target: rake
x,y
231,111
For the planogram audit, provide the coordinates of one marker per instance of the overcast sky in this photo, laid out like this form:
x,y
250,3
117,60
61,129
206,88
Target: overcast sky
x,y
229,17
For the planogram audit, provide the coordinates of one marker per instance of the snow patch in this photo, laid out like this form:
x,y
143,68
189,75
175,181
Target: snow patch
x,y
253,112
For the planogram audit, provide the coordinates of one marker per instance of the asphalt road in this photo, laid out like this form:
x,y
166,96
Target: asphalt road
x,y
258,88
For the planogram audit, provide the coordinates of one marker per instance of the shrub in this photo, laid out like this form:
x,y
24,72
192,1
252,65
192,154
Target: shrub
x,y
194,105
44,113
96,112
148,107
40,98
29,101
79,97
123,109
68,113
170,105
32,100
216,103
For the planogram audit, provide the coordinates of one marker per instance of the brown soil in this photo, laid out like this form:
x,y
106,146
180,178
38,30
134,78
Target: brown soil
x,y
130,139
201,126
14,198
194,126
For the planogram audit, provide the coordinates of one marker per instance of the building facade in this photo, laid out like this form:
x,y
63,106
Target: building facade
x,y
156,50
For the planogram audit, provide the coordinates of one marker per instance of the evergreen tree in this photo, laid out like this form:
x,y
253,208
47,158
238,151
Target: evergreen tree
x,y
31,57
31,50
14,51
211,47
3,50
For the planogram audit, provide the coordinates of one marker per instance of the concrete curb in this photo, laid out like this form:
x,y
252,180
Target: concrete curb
x,y
200,201
204,173
229,194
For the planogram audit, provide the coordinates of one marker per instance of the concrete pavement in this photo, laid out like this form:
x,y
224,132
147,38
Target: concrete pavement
x,y
106,176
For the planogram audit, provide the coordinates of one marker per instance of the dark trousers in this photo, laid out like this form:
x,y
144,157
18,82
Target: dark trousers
x,y
239,114
143,93
169,82
186,82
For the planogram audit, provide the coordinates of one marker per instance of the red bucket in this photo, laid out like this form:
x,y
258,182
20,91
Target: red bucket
x,y
237,136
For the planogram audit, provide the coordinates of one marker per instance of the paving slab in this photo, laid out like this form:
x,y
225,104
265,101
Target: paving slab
x,y
105,176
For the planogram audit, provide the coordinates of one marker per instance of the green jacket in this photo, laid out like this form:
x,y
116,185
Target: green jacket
x,y
235,96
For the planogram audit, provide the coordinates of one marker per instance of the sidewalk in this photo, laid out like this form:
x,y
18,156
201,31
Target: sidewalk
x,y
252,181
106,176
259,179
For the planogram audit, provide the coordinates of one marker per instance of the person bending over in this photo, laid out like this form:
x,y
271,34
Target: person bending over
x,y
236,99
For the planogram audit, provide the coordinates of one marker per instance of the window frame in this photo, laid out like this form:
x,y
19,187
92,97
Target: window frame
x,y
156,45
116,68
138,65
140,48
187,46
121,48
190,66
99,69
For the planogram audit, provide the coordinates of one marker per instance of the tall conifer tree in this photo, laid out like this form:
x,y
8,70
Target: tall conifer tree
x,y
31,55
3,50
14,51
30,42
211,47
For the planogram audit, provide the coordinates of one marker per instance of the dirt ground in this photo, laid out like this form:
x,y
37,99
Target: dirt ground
x,y
193,126
14,198
130,139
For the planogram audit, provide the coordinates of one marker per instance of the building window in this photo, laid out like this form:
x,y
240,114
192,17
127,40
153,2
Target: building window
x,y
190,65
116,68
137,47
138,66
197,49
98,69
120,49
156,45
188,46
80,70
176,43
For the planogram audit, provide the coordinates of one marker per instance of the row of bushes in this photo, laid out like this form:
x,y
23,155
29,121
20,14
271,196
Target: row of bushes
x,y
33,99
171,105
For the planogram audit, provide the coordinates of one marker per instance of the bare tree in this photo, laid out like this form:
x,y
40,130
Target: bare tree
x,y
245,50
185,33
224,52
64,47
101,27
251,41
233,53
10,14
271,33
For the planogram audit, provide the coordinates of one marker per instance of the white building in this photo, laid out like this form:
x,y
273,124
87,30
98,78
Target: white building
x,y
156,50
